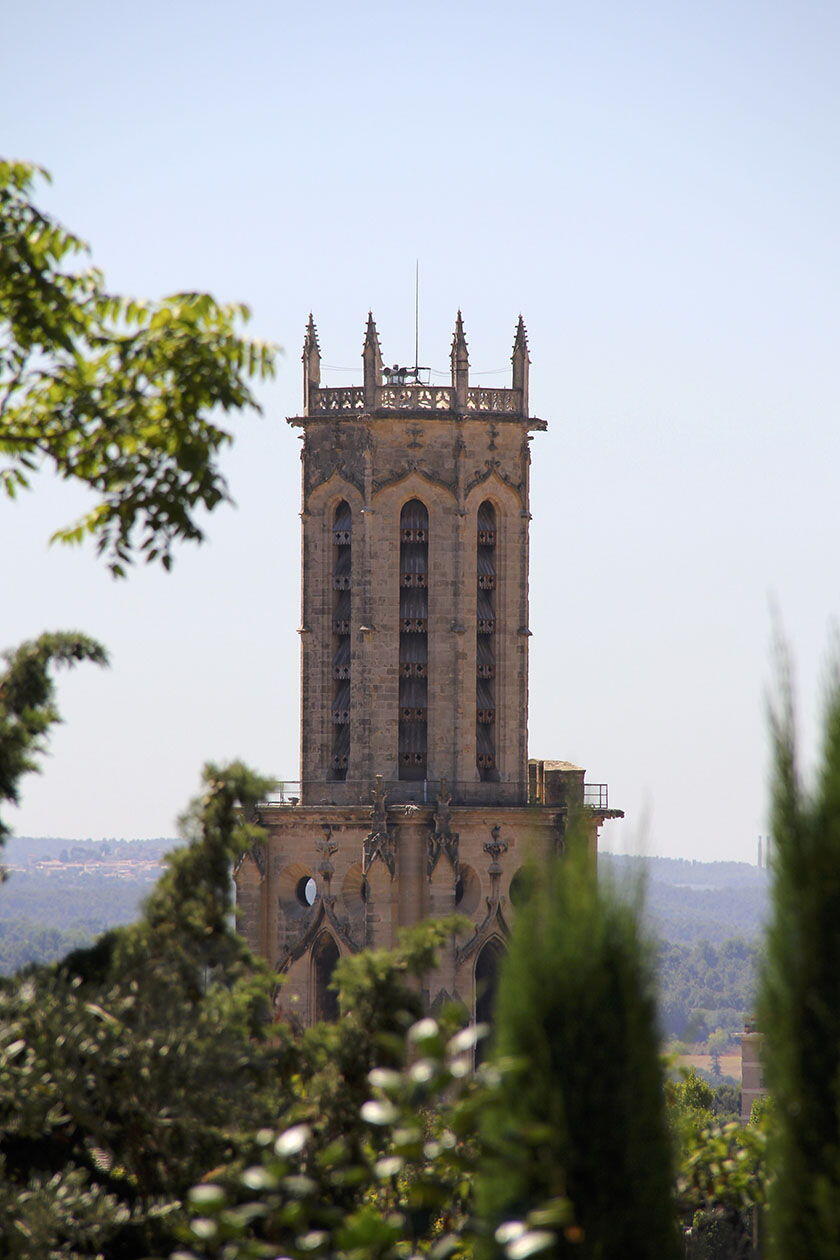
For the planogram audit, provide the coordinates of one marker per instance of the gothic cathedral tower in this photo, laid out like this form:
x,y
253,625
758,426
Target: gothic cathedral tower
x,y
416,796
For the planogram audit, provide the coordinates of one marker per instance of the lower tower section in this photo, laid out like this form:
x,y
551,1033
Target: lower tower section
x,y
331,880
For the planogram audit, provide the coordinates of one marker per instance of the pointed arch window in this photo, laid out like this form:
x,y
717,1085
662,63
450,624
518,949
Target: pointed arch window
x,y
487,967
342,555
414,641
325,955
485,685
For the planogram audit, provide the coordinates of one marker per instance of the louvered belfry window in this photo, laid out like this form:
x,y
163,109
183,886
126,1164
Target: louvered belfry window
x,y
342,551
414,640
485,686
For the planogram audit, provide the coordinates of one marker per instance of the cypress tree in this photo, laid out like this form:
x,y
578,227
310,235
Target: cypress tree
x,y
800,998
581,1115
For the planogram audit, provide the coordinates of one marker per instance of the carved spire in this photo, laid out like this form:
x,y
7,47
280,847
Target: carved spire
x,y
460,361
372,361
459,353
371,335
311,364
520,341
521,362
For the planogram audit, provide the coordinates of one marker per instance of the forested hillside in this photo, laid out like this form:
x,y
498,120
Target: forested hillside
x,y
686,902
62,893
705,988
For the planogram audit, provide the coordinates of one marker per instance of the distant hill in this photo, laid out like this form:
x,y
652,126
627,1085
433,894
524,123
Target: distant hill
x,y
24,850
686,902
62,893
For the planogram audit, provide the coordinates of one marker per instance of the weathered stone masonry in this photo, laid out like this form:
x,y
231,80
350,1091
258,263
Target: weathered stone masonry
x,y
416,795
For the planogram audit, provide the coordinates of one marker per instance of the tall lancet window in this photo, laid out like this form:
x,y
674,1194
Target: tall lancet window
x,y
342,552
414,639
485,687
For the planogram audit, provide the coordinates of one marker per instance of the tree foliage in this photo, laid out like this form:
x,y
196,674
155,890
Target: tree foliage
x,y
147,1064
583,1112
375,1161
800,1001
722,1171
707,986
110,391
27,708
136,1064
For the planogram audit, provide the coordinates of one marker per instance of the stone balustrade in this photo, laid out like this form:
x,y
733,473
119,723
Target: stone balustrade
x,y
350,400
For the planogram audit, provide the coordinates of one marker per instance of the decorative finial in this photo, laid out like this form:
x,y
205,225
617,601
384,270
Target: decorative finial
x,y
459,341
372,363
521,360
310,341
311,366
371,335
520,342
460,360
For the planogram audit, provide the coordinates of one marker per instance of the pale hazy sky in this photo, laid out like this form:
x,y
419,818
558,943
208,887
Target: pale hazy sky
x,y
654,186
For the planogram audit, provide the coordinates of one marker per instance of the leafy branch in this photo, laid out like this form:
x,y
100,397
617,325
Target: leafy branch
x,y
111,392
27,709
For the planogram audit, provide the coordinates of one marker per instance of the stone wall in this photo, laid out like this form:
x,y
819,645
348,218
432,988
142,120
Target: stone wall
x,y
376,466
431,863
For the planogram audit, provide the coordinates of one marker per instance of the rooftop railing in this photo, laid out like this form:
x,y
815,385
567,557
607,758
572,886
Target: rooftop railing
x,y
596,796
350,400
403,792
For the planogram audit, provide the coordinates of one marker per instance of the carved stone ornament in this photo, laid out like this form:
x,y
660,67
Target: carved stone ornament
x,y
341,925
413,466
328,846
322,914
492,466
258,853
379,843
379,809
441,1000
258,856
442,839
336,449
495,847
493,924
560,819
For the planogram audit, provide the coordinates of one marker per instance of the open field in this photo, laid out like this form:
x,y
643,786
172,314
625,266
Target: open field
x,y
730,1064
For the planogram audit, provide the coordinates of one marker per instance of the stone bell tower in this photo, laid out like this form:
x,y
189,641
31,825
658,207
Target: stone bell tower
x,y
416,796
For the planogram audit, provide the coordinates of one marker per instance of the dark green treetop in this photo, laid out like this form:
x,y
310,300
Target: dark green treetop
x,y
799,1009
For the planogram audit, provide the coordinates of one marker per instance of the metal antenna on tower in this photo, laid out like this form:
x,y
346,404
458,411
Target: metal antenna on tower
x,y
416,316
418,375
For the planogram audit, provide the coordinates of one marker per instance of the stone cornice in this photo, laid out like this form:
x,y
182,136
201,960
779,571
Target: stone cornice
x,y
277,815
